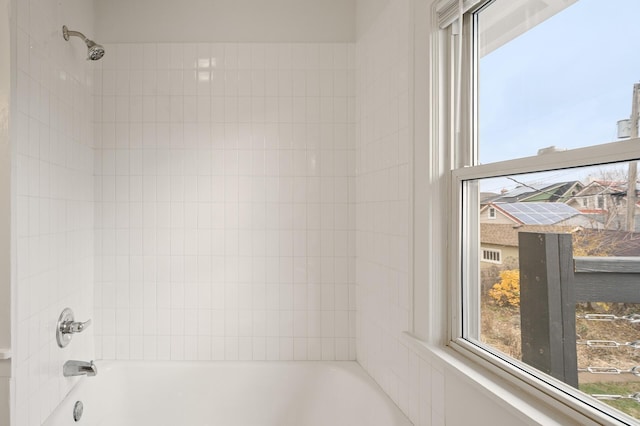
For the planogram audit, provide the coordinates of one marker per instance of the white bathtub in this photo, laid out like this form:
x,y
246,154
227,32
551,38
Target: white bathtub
x,y
229,394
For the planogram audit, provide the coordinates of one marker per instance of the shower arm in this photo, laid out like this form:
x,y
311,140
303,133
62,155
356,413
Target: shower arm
x,y
66,33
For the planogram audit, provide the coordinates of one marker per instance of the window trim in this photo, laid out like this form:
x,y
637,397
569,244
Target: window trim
x,y
462,293
606,153
546,388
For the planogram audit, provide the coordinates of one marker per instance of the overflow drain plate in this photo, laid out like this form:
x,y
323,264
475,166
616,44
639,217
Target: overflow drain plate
x,y
78,408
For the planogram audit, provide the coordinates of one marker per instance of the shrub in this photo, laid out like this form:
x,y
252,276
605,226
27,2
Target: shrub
x,y
507,291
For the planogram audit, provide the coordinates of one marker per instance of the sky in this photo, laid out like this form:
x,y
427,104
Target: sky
x,y
564,83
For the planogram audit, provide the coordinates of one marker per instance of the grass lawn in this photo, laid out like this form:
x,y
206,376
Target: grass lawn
x,y
628,406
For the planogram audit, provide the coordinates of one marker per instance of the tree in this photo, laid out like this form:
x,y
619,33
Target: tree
x,y
507,291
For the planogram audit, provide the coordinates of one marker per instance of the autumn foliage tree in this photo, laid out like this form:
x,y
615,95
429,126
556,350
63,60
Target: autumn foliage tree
x,y
507,291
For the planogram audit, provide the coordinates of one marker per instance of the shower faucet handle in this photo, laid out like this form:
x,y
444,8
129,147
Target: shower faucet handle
x,y
67,327
74,327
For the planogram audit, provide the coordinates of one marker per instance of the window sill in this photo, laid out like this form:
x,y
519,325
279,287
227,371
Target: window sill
x,y
518,396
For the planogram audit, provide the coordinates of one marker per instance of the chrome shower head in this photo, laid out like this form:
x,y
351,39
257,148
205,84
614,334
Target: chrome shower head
x,y
95,51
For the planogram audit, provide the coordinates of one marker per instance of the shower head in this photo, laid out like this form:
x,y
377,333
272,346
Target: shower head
x,y
95,51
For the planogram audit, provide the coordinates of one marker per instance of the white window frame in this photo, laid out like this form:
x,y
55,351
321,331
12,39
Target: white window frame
x,y
460,155
492,213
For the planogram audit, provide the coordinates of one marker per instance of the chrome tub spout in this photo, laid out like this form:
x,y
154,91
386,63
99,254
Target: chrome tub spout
x,y
79,368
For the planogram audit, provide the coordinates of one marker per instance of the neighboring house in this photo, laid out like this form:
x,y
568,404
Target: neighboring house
x,y
564,207
606,202
557,192
500,224
499,241
500,250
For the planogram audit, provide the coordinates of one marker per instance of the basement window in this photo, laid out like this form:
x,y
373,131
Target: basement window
x,y
491,256
522,119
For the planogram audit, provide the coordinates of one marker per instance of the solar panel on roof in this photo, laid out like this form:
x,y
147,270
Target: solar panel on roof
x,y
539,213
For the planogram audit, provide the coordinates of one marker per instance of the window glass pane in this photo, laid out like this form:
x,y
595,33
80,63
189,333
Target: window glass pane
x,y
554,76
559,258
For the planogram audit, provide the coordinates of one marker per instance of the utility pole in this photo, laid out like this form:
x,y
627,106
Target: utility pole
x,y
632,197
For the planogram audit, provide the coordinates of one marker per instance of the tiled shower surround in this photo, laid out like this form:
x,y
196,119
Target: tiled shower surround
x,y
53,205
225,202
384,146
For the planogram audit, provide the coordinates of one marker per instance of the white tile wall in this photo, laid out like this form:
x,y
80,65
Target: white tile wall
x,y
53,198
225,215
383,185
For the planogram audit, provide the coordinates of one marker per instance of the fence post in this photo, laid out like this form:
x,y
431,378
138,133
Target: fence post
x,y
547,305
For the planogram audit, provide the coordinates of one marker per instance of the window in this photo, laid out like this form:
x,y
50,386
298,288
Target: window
x,y
521,120
491,256
492,213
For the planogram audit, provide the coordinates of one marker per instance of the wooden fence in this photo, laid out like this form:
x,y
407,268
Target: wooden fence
x,y
552,281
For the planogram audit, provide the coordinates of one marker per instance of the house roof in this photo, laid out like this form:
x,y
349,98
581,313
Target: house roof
x,y
486,197
608,187
540,213
619,243
507,235
560,191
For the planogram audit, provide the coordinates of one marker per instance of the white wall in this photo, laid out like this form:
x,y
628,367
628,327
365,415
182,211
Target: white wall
x,y
225,201
6,31
125,21
53,197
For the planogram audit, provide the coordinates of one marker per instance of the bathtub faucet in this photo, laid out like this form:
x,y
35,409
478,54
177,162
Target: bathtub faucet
x,y
79,368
